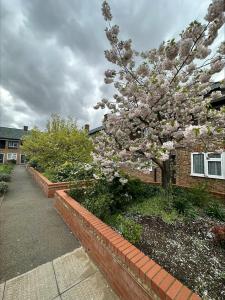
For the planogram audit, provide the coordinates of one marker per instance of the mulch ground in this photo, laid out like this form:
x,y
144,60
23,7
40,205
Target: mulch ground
x,y
188,251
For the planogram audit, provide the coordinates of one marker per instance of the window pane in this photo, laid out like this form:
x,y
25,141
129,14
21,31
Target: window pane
x,y
214,155
214,168
198,163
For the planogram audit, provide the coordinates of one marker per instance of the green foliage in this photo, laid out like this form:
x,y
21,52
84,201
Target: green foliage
x,y
160,206
99,206
133,191
61,142
73,171
131,230
199,196
216,210
3,187
6,169
97,203
4,177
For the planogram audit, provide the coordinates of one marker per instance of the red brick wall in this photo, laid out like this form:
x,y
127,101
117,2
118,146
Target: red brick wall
x,y
130,273
49,187
153,177
183,171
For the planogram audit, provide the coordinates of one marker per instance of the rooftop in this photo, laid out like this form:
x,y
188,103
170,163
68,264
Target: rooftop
x,y
12,133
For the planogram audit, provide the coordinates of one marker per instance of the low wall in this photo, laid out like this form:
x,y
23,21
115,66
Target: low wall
x,y
220,194
130,273
49,187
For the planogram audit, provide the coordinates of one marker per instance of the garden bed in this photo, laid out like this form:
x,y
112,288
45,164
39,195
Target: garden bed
x,y
188,251
49,187
176,228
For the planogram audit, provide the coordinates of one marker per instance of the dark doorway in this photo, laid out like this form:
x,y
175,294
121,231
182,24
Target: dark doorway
x,y
1,158
23,159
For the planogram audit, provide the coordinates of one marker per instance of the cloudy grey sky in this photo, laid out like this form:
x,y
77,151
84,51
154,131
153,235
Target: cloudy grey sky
x,y
52,52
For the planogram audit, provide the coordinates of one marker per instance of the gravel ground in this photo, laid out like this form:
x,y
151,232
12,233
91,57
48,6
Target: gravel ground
x,y
188,251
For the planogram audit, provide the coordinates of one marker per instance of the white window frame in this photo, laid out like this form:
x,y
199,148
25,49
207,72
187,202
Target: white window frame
x,y
11,153
206,160
13,144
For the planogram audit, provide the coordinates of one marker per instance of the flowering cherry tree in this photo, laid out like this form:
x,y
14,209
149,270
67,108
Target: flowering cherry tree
x,y
159,104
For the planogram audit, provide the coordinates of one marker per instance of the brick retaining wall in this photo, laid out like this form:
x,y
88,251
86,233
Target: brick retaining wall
x,y
49,187
133,275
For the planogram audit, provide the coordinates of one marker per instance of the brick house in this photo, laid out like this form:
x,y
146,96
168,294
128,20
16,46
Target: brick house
x,y
10,142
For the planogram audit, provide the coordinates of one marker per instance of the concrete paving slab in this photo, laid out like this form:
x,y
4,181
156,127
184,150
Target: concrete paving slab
x,y
93,288
2,285
37,284
72,268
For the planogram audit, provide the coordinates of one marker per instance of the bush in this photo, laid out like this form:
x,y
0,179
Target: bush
x,y
73,171
158,206
97,203
133,191
78,194
216,210
3,187
61,142
138,189
130,230
99,206
199,196
6,169
4,177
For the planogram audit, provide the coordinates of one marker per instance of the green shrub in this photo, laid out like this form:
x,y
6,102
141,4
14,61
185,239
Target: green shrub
x,y
99,206
6,169
138,189
131,230
216,210
97,203
199,196
3,187
4,177
159,206
133,191
78,194
72,171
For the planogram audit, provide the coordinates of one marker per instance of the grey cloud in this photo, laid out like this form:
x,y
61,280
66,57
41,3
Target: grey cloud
x,y
52,52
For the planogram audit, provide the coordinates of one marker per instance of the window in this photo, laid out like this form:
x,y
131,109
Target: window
x,y
11,156
210,165
13,144
214,164
198,163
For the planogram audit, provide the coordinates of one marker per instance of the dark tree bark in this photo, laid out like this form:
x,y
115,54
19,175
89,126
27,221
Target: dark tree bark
x,y
166,175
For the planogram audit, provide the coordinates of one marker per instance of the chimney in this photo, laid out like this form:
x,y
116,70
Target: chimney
x,y
87,127
105,117
25,128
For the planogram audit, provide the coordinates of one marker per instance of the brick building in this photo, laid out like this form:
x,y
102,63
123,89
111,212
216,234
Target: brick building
x,y
10,144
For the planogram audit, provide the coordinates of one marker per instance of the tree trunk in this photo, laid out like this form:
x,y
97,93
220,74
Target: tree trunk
x,y
166,175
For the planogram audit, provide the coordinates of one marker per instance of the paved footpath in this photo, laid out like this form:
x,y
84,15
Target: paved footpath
x,y
70,277
31,231
37,256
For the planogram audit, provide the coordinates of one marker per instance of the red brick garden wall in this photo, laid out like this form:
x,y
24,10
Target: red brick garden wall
x,y
49,187
132,275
